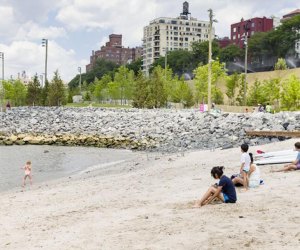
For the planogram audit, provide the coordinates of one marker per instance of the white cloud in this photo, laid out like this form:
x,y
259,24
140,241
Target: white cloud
x,y
33,31
29,56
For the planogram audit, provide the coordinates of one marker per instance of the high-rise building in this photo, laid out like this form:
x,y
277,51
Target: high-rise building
x,y
249,27
168,34
115,52
287,17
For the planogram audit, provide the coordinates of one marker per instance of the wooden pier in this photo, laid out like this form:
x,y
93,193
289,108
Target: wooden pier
x,y
295,134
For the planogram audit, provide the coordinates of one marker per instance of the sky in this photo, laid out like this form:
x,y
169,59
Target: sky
x,y
76,27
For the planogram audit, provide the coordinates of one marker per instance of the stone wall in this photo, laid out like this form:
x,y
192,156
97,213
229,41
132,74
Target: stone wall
x,y
163,129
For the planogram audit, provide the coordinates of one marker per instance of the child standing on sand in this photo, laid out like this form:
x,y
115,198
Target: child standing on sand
x,y
27,169
224,191
245,164
295,165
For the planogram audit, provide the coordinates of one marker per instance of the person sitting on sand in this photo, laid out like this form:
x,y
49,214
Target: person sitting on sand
x,y
254,175
245,167
224,191
27,169
294,165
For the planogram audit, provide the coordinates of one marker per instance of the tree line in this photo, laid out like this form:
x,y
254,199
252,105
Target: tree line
x,y
54,93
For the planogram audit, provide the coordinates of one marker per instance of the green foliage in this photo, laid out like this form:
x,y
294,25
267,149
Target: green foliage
x,y
141,91
201,82
290,95
157,95
34,92
281,64
44,96
15,91
179,61
277,43
135,66
231,86
231,53
57,91
241,90
182,93
200,51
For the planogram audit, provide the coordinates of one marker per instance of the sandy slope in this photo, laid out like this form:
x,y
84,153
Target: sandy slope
x,y
148,206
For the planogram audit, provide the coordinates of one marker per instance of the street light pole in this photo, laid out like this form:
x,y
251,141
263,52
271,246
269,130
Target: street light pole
x,y
247,28
2,56
166,60
79,70
45,44
209,58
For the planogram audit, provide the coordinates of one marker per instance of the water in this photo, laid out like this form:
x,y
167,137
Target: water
x,y
52,162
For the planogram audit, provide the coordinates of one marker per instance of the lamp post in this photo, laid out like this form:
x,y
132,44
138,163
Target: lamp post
x,y
2,56
209,57
166,62
79,70
246,28
45,44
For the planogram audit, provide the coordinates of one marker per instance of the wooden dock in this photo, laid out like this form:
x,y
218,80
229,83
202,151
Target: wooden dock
x,y
295,134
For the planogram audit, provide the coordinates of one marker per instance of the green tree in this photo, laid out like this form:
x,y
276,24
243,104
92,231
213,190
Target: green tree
x,y
201,81
124,79
182,93
157,96
136,66
231,87
34,92
255,94
200,51
179,61
141,91
57,91
281,64
231,53
44,96
290,95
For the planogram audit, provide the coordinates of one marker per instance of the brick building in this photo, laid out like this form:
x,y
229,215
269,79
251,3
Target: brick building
x,y
115,52
252,26
224,42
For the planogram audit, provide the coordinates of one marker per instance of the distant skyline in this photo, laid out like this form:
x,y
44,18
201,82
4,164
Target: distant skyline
x,y
76,27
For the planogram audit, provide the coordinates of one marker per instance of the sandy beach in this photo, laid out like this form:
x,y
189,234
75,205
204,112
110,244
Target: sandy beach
x,y
145,203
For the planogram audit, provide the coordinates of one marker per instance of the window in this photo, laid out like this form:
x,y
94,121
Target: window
x,y
175,33
173,22
234,29
175,38
186,39
188,29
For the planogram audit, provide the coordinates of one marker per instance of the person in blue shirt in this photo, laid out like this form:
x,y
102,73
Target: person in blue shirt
x,y
224,191
294,165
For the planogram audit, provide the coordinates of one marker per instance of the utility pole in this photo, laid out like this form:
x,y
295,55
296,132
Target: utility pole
x,y
246,28
79,70
45,44
209,57
166,60
2,56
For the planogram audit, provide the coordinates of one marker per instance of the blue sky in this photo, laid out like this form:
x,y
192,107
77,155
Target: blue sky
x,y
76,27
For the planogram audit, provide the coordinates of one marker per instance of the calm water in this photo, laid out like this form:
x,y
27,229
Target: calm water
x,y
51,162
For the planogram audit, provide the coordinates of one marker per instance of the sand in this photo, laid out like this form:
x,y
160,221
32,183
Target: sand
x,y
146,204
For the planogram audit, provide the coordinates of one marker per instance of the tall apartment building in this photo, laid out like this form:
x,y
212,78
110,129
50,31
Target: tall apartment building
x,y
287,17
167,34
249,27
115,52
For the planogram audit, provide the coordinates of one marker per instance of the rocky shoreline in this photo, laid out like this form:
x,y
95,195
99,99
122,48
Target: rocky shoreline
x,y
164,129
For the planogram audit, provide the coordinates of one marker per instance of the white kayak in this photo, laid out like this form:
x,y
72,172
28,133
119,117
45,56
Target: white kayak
x,y
277,157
